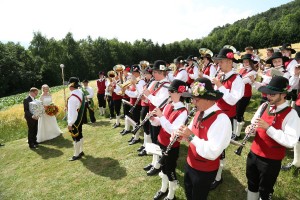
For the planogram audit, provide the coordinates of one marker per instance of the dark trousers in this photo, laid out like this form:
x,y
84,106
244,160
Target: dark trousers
x,y
101,100
262,174
80,136
110,103
91,114
32,131
154,131
144,111
117,106
136,115
170,162
126,108
241,108
197,183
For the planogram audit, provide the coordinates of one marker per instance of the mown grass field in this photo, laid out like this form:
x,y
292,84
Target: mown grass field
x,y
111,168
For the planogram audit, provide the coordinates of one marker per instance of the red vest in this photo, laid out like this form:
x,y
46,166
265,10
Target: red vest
x,y
229,110
171,115
154,92
248,88
206,69
298,100
133,100
200,130
263,145
101,86
177,71
190,70
288,62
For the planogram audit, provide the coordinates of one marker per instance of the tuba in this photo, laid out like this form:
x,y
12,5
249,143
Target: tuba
x,y
202,52
144,64
119,68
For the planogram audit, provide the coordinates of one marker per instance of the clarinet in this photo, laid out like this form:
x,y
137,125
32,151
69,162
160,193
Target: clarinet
x,y
165,153
140,97
248,135
137,127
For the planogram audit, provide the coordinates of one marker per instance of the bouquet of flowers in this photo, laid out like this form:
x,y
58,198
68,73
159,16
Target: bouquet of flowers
x,y
51,109
36,108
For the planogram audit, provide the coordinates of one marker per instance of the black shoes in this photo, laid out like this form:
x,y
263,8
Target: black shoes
x,y
287,167
142,153
81,154
133,141
116,125
153,171
159,195
166,198
124,132
215,184
130,140
74,158
33,146
141,148
235,137
148,167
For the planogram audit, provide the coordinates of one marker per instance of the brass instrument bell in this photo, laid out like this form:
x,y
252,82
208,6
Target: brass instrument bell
x,y
111,74
144,64
204,51
119,68
233,49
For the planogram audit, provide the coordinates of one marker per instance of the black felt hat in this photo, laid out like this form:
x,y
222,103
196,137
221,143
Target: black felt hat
x,y
190,57
202,88
101,73
278,84
287,46
178,86
297,56
135,68
74,82
147,70
85,81
277,55
160,65
248,57
226,53
179,59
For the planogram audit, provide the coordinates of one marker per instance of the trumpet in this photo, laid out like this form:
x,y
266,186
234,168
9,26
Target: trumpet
x,y
137,127
251,132
165,153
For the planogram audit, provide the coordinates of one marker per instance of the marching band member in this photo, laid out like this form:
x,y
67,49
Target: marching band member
x,y
290,65
247,70
208,134
209,70
108,93
192,70
101,93
277,129
232,86
296,160
145,109
117,99
180,72
125,77
76,104
170,119
156,95
134,91
89,103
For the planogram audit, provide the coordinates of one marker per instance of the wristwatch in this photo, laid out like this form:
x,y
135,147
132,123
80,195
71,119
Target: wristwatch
x,y
190,138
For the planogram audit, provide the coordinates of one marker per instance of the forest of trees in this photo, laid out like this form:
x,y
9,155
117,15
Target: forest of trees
x,y
22,68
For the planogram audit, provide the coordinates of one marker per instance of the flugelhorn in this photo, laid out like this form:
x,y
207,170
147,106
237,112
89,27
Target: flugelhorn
x,y
144,64
204,51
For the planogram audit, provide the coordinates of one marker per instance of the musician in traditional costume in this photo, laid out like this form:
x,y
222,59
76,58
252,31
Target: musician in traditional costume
x,y
180,73
145,109
76,104
208,135
170,119
156,94
296,160
277,129
89,102
125,77
101,93
117,99
109,87
134,91
209,69
232,86
192,70
245,72
290,65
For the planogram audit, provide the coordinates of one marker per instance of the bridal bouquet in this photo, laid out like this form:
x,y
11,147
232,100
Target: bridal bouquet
x,y
51,109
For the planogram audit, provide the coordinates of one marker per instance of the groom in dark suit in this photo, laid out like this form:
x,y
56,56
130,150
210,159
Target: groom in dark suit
x,y
32,121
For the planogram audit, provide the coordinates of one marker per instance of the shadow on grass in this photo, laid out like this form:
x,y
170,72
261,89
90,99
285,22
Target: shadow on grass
x,y
99,123
106,166
59,142
47,153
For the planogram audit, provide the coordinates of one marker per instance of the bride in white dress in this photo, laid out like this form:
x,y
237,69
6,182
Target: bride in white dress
x,y
47,125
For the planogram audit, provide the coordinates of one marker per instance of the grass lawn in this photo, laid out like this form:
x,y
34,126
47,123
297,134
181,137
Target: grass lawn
x,y
111,168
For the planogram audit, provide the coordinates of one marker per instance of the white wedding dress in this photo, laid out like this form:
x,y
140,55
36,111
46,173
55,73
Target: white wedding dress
x,y
47,125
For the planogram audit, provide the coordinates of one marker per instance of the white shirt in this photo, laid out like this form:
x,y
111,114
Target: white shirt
x,y
166,124
212,72
233,95
90,91
73,105
291,67
195,73
182,75
139,89
289,133
161,95
218,136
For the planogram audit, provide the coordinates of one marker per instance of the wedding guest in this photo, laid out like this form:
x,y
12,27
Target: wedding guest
x,y
32,121
47,124
89,103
